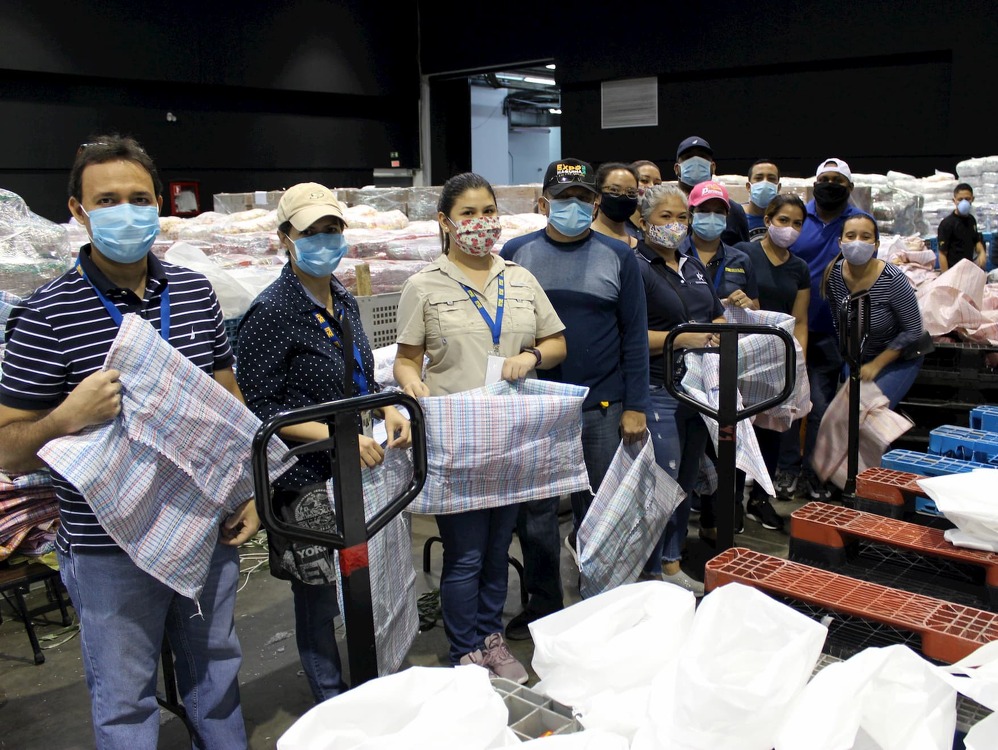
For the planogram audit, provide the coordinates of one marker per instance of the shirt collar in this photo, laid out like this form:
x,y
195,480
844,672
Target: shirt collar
x,y
154,272
302,299
646,253
449,268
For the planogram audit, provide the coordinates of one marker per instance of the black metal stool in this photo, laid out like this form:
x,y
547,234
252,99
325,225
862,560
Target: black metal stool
x,y
17,580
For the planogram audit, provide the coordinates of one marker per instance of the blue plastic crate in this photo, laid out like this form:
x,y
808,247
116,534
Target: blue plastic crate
x,y
926,464
231,329
964,443
984,417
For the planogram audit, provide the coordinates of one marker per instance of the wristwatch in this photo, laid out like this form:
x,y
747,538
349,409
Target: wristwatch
x,y
536,352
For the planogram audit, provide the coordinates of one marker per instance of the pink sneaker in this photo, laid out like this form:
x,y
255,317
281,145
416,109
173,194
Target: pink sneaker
x,y
499,659
478,658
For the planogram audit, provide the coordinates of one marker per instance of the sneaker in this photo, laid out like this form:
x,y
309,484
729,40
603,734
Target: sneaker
x,y
685,582
477,658
786,485
518,628
761,511
502,662
816,489
570,542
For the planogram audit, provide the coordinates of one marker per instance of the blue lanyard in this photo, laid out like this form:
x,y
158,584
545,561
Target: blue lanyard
x,y
359,378
494,326
164,306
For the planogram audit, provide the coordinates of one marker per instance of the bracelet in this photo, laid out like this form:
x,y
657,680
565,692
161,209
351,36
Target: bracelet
x,y
535,351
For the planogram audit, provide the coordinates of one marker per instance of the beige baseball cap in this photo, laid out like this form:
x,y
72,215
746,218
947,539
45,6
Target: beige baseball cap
x,y
306,203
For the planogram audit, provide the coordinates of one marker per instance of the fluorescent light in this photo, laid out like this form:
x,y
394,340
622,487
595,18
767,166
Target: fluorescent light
x,y
549,66
555,111
508,77
542,81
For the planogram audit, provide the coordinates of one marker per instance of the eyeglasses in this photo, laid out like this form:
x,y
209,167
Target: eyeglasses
x,y
616,192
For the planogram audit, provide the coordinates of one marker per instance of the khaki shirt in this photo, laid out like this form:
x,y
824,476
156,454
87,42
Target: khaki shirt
x,y
435,312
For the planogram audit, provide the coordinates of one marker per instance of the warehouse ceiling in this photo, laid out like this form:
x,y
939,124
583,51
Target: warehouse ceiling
x,y
534,98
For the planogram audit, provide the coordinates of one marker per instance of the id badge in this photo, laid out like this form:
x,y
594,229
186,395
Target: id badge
x,y
367,423
493,369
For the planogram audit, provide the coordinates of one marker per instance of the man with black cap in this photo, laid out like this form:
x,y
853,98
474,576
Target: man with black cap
x,y
695,164
595,285
818,245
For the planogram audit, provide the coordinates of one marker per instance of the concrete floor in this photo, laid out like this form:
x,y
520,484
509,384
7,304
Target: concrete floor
x,y
48,706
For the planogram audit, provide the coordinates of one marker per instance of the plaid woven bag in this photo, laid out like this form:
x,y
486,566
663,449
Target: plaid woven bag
x,y
502,444
628,515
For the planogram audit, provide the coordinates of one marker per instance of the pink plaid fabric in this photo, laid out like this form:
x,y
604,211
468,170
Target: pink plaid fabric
x,y
27,502
165,473
502,444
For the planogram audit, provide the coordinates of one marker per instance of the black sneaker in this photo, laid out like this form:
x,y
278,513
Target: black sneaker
x,y
518,628
815,489
786,485
761,511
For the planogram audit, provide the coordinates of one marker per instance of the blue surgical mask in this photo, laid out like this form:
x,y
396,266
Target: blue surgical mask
x,y
963,207
694,170
709,226
124,233
762,193
570,216
318,255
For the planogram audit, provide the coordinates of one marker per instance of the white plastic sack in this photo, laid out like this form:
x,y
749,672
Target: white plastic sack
x,y
233,297
968,500
746,659
880,699
626,518
610,643
976,676
422,708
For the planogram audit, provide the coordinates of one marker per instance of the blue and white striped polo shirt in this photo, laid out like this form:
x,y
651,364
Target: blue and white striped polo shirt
x,y
62,333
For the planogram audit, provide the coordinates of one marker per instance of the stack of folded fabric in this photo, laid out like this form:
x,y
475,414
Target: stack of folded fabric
x,y
29,514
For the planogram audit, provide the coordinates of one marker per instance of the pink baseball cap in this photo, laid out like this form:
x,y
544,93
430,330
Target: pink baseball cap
x,y
709,190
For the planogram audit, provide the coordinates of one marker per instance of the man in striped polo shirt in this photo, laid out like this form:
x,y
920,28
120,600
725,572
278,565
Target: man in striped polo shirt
x,y
52,385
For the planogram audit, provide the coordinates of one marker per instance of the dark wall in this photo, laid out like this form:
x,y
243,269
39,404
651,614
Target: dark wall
x,y
885,85
265,95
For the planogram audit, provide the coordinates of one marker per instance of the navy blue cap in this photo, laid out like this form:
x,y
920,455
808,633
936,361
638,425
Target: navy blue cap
x,y
694,141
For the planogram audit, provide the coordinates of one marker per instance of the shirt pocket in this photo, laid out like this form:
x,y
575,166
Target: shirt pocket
x,y
520,313
449,313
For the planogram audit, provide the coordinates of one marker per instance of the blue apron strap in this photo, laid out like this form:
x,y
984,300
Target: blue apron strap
x,y
115,313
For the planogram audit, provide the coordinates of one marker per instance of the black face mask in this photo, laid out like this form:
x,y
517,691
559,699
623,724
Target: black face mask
x,y
617,207
831,196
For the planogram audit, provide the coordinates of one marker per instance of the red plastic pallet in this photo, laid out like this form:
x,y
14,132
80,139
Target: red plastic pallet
x,y
887,486
834,526
949,632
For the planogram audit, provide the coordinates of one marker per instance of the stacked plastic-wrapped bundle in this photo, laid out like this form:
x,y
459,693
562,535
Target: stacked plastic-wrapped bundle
x,y
982,174
33,250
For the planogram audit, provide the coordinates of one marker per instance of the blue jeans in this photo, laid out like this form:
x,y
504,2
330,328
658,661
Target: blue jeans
x,y
679,437
124,613
316,608
824,367
474,578
897,377
537,524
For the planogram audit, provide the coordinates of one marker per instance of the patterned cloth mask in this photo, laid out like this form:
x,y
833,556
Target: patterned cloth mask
x,y
476,236
669,236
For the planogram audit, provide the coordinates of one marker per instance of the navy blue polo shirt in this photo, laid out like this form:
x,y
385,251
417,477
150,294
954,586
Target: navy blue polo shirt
x,y
287,360
730,269
674,298
62,333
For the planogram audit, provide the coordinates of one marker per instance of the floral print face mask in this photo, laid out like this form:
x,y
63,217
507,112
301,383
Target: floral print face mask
x,y
476,236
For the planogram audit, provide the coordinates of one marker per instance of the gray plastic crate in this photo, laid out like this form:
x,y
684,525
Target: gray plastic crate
x,y
532,715
378,313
